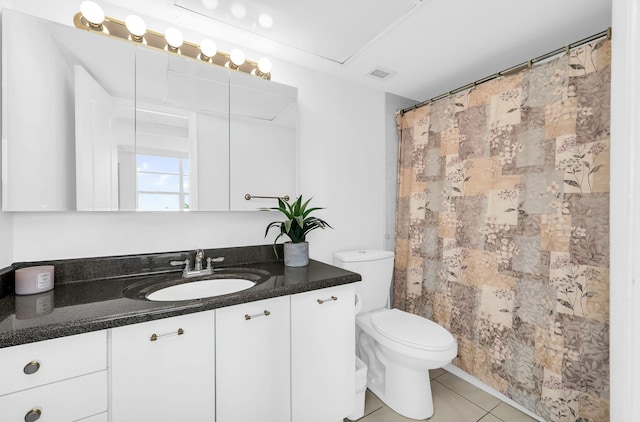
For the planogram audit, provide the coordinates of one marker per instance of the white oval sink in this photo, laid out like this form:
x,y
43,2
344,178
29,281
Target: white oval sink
x,y
200,289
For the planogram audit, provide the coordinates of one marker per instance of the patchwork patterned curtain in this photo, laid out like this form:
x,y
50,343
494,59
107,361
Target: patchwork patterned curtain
x,y
503,230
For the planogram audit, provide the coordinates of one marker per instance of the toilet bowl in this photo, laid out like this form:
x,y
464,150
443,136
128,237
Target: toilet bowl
x,y
398,348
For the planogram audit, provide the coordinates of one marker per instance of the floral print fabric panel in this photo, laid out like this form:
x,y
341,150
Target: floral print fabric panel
x,y
503,230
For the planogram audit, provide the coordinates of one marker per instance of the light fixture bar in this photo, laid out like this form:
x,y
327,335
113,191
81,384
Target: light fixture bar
x,y
118,29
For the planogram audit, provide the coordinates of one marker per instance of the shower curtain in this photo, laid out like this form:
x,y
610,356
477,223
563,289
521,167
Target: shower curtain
x,y
503,230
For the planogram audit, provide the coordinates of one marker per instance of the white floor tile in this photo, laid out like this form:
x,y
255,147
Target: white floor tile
x,y
449,406
386,415
490,418
435,373
371,402
469,391
454,399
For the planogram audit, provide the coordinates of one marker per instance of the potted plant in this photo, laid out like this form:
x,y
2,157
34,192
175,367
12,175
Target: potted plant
x,y
298,224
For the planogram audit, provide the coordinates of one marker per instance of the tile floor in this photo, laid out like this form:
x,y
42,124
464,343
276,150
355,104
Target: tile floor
x,y
454,400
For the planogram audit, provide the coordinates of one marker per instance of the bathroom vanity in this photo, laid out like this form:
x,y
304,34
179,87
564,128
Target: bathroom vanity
x,y
94,349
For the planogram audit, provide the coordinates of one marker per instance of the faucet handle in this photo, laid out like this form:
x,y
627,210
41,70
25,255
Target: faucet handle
x,y
186,263
210,260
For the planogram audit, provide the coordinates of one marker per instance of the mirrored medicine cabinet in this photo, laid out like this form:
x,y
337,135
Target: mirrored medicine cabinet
x,y
94,123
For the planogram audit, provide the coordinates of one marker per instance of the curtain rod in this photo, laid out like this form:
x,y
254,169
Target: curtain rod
x,y
511,70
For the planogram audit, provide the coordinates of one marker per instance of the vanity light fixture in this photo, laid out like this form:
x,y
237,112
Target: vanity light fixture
x,y
92,18
136,27
237,57
174,39
208,49
93,14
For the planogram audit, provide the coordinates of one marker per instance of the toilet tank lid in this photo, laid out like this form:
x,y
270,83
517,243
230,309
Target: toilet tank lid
x,y
363,255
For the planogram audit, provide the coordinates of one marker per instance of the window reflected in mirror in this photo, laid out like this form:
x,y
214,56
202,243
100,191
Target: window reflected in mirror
x,y
162,183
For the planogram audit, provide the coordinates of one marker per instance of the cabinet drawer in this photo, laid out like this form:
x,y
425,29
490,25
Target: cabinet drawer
x,y
62,401
44,362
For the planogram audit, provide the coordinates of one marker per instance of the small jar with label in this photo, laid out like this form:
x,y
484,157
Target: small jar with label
x,y
33,280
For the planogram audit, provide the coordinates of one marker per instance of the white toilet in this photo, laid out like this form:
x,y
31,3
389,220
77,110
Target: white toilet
x,y
398,348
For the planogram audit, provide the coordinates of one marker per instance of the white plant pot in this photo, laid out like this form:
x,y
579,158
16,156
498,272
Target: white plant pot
x,y
296,254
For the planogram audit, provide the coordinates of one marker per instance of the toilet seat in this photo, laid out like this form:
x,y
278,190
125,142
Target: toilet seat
x,y
412,330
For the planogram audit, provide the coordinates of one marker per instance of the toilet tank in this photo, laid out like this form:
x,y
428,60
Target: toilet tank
x,y
376,269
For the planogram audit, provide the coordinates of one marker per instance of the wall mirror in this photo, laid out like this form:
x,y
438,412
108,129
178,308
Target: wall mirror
x,y
60,85
92,123
263,151
182,135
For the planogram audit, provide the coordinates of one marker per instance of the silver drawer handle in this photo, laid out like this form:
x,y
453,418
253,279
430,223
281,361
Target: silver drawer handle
x,y
155,337
248,197
265,313
32,415
321,301
31,367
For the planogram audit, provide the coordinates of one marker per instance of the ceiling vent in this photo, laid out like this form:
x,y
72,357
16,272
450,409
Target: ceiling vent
x,y
381,73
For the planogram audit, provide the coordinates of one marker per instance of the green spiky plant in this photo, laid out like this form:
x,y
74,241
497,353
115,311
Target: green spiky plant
x,y
299,221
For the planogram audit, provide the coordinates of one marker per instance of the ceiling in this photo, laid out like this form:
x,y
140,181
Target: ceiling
x,y
334,30
427,47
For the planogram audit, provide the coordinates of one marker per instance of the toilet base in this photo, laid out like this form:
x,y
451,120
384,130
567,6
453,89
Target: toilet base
x,y
403,387
406,391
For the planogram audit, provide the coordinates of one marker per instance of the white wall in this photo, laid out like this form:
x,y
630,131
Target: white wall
x,y
341,160
6,239
625,208
341,164
6,227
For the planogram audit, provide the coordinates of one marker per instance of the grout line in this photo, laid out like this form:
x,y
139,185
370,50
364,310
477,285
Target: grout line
x,y
500,419
481,417
441,374
494,408
366,416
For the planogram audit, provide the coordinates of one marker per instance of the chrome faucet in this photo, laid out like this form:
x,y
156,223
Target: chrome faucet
x,y
199,258
198,270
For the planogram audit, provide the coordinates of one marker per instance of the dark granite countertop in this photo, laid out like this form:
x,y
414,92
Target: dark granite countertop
x,y
98,293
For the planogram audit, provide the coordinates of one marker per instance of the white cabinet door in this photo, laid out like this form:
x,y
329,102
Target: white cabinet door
x,y
322,354
252,362
164,370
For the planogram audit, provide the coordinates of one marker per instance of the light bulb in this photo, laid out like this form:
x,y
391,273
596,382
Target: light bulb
x,y
238,10
93,13
210,4
174,39
237,56
264,65
208,49
265,20
136,27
